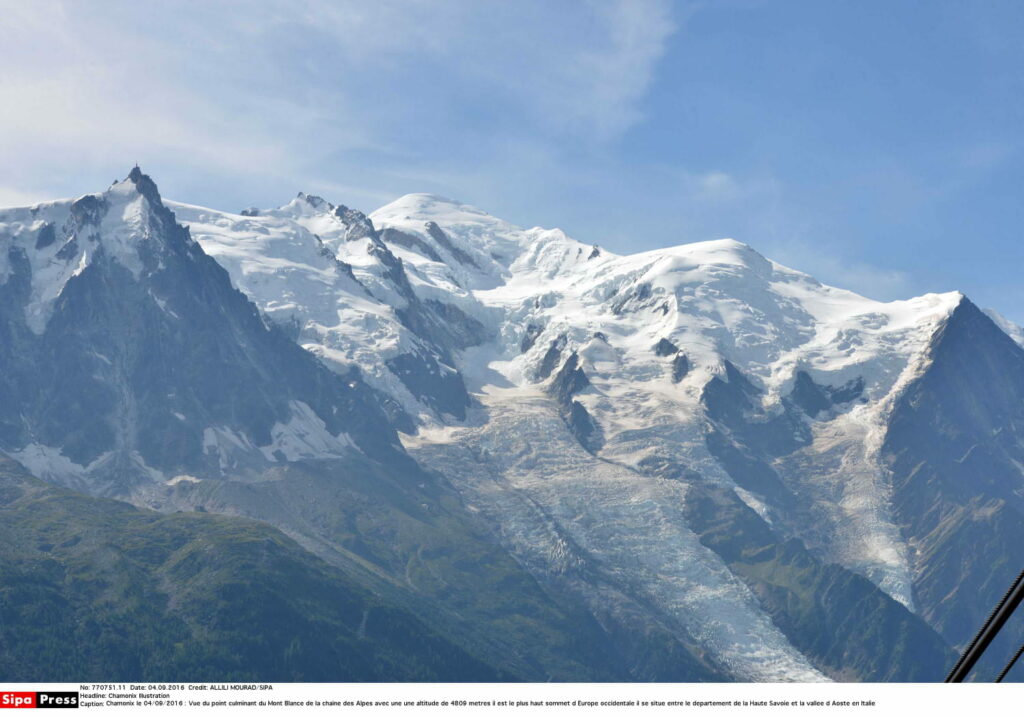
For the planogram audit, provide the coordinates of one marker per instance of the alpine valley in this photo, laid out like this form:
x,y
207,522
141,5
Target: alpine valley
x,y
311,444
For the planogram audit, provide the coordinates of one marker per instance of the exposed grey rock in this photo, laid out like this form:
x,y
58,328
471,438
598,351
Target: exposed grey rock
x,y
454,327
745,438
814,399
809,396
569,381
680,367
636,298
46,236
551,357
440,387
584,427
530,337
664,347
409,241
359,225
441,238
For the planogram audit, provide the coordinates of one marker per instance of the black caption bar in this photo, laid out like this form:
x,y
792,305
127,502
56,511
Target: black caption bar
x,y
56,700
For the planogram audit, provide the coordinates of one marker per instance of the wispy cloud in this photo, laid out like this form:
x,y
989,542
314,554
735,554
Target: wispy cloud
x,y
315,90
602,86
18,197
843,272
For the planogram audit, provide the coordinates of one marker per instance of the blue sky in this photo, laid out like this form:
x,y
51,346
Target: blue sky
x,y
875,144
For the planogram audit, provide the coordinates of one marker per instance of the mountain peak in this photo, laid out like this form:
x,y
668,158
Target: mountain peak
x,y
143,184
429,198
730,250
315,201
426,207
127,224
302,206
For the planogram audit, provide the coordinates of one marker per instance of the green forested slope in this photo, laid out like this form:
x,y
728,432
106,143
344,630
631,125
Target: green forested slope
x,y
94,589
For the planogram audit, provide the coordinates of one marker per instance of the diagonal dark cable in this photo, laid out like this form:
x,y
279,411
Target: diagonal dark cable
x,y
998,617
1010,664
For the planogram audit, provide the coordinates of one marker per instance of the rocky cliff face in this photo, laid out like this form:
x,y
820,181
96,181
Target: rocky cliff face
x,y
954,448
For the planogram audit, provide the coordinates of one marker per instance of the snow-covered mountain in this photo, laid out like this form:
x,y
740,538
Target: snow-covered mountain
x,y
692,444
324,275
128,358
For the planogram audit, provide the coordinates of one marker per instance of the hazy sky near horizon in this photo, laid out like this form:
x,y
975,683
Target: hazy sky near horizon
x,y
877,144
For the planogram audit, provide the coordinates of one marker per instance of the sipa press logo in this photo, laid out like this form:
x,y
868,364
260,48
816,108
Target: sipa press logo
x,y
45,700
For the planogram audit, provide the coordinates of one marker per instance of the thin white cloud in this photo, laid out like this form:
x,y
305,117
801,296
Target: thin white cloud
x,y
716,186
606,83
823,263
316,91
18,197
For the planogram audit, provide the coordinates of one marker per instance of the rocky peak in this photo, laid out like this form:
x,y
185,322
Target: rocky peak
x,y
358,225
144,185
